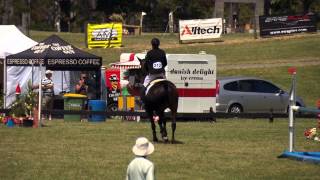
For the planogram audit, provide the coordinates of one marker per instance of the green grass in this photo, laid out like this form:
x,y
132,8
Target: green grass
x,y
229,149
233,49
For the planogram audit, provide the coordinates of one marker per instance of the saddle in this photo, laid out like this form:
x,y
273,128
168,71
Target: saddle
x,y
153,82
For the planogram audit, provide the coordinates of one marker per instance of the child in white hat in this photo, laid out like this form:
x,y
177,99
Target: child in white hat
x,y
140,168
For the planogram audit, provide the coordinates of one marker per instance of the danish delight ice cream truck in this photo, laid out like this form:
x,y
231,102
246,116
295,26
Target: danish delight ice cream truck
x,y
193,74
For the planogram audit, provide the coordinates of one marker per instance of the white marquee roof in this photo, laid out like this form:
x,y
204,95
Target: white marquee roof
x,y
13,41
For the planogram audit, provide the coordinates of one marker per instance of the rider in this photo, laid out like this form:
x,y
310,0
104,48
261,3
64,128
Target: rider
x,y
156,61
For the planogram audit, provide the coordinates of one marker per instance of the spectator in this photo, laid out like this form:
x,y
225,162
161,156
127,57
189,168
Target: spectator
x,y
48,92
140,168
82,87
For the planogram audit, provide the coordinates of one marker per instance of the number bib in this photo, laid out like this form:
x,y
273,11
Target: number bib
x,y
157,65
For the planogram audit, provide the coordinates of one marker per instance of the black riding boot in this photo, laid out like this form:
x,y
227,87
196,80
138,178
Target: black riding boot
x,y
143,94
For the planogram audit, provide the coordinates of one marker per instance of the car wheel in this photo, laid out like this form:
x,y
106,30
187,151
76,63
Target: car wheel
x,y
235,108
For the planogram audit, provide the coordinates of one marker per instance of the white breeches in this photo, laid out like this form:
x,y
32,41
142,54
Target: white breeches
x,y
151,77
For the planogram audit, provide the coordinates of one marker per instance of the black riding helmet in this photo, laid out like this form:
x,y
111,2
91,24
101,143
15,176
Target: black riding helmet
x,y
155,42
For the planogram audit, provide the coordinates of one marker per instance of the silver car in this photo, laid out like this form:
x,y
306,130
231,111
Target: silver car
x,y
250,94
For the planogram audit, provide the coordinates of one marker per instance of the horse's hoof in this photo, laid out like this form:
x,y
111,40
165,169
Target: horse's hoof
x,y
155,140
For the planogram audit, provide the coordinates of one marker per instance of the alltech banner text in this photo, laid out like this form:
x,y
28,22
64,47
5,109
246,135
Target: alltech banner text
x,y
200,29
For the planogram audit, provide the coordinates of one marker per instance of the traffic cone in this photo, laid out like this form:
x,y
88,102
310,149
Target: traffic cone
x,y
18,90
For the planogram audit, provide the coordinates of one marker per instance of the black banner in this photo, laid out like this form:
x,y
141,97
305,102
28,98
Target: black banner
x,y
284,25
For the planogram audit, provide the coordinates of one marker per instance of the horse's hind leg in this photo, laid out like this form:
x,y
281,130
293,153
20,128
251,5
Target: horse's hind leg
x,y
153,127
162,125
173,125
165,134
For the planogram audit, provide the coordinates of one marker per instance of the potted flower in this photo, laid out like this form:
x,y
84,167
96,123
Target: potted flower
x,y
312,134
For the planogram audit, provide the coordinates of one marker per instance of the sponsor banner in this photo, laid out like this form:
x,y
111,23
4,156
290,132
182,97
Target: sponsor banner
x,y
198,29
113,86
282,25
104,35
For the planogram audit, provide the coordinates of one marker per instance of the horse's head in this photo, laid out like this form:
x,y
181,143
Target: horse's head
x,y
137,76
143,71
142,65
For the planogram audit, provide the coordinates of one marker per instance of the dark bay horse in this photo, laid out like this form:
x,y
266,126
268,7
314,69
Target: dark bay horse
x,y
160,96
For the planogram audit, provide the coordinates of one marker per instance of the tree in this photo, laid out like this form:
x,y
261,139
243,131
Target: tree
x,y
6,11
158,11
293,6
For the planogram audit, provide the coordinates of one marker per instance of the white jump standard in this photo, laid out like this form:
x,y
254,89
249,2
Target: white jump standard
x,y
313,157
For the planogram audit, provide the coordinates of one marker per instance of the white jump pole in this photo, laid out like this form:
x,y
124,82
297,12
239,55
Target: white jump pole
x,y
5,83
292,103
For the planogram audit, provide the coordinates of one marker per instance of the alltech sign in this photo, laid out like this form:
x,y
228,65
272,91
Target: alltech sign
x,y
198,29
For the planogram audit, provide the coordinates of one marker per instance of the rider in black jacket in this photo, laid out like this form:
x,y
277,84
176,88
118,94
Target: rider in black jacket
x,y
156,61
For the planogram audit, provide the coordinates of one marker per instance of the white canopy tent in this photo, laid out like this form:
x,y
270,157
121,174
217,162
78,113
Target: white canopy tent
x,y
13,41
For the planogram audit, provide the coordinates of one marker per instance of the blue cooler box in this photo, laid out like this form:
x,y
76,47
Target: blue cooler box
x,y
97,105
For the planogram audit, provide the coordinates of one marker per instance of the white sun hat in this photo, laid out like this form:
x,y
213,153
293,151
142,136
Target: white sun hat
x,y
49,72
142,147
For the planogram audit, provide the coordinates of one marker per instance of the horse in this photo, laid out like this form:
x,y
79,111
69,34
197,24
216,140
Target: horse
x,y
160,96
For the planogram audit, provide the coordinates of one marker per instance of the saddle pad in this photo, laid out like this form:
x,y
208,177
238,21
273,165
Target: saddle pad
x,y
153,83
